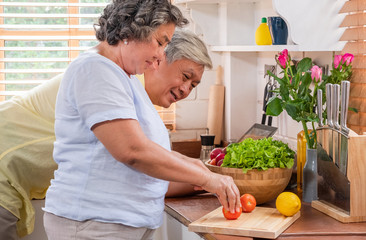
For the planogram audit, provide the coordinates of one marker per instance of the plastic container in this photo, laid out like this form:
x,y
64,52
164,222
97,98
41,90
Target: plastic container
x,y
262,34
278,29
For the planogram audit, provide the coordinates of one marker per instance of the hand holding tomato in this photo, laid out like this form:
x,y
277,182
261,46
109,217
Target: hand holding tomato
x,y
248,202
231,216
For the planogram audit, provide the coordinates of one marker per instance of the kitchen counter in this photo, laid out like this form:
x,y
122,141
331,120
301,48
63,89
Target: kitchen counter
x,y
311,225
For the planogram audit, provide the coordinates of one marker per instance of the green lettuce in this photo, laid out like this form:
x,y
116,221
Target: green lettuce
x,y
259,154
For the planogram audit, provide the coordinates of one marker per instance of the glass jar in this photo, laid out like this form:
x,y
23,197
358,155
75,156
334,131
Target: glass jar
x,y
207,144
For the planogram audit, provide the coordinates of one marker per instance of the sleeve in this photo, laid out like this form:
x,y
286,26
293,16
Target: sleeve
x,y
102,92
42,98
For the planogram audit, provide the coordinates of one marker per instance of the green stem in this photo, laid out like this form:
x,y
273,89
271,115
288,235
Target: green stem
x,y
306,133
315,136
292,74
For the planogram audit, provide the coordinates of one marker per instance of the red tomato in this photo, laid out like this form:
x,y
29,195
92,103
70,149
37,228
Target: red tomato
x,y
231,216
248,202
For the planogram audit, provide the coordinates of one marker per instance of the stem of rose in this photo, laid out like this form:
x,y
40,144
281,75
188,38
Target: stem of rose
x,y
306,133
315,137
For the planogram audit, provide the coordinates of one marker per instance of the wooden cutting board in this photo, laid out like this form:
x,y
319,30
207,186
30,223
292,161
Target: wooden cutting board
x,y
262,222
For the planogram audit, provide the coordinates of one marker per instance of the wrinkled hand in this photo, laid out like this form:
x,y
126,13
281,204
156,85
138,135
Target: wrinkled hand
x,y
225,189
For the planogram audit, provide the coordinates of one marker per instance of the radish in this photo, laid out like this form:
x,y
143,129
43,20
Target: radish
x,y
215,152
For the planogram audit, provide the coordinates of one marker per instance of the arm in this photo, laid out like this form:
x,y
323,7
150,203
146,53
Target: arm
x,y
136,150
177,189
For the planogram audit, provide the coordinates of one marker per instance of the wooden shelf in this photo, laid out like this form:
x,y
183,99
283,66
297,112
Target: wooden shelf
x,y
270,48
213,1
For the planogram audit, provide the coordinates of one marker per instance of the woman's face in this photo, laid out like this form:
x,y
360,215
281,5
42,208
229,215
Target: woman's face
x,y
172,82
140,56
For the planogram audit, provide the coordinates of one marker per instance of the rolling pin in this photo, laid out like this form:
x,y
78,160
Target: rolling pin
x,y
215,114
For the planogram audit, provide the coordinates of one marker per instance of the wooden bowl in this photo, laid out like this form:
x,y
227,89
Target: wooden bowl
x,y
263,185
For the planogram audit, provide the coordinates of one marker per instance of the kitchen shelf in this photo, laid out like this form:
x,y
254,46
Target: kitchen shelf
x,y
270,48
214,1
233,42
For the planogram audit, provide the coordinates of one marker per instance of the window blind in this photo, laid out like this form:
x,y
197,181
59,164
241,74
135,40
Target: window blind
x,y
355,35
39,38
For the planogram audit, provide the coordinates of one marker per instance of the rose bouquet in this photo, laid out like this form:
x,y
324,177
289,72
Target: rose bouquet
x,y
341,69
296,94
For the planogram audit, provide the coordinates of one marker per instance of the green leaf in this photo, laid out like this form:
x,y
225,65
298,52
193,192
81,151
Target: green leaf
x,y
292,111
305,83
281,81
304,65
274,107
259,154
353,109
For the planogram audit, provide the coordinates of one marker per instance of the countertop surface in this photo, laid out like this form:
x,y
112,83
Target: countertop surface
x,y
312,224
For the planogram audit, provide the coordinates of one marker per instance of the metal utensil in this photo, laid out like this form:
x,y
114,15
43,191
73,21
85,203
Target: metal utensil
x,y
333,186
335,120
345,87
328,92
258,131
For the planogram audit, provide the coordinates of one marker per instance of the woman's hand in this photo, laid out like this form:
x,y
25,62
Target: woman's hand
x,y
225,189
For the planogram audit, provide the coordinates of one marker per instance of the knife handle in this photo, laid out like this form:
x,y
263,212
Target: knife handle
x,y
335,106
345,88
319,105
328,93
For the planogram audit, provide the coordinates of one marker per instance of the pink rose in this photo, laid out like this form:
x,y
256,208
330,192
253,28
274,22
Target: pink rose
x,y
316,73
337,60
283,58
284,53
347,58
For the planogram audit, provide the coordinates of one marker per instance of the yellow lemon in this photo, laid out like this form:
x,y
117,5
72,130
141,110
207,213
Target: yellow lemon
x,y
288,203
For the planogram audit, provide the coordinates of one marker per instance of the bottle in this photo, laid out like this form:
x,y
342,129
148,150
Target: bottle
x,y
301,159
262,34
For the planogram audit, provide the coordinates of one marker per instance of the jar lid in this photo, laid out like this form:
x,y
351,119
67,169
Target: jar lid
x,y
207,139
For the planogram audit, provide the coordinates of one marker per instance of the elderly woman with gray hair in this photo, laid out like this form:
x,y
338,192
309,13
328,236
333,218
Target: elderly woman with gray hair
x,y
112,149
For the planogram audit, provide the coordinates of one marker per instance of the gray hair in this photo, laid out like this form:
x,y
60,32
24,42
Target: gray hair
x,y
135,19
186,44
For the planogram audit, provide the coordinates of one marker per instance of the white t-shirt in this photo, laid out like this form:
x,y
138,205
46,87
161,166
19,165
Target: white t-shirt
x,y
89,182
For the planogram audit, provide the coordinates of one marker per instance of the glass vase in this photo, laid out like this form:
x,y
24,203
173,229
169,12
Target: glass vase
x,y
310,175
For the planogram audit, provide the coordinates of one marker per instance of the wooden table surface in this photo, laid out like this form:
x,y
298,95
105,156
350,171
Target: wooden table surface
x,y
311,225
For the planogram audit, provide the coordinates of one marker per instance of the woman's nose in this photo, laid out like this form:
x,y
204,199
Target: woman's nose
x,y
160,53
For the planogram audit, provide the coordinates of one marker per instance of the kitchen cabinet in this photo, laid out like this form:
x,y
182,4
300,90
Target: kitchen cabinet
x,y
228,27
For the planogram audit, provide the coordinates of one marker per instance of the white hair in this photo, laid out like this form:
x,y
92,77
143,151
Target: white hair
x,y
186,44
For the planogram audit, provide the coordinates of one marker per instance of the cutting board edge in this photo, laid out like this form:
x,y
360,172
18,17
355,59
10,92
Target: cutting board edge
x,y
196,227
291,220
247,233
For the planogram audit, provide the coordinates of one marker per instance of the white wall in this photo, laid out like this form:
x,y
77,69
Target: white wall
x,y
192,112
244,89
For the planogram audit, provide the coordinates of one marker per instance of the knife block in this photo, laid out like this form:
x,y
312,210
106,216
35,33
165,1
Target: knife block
x,y
356,174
